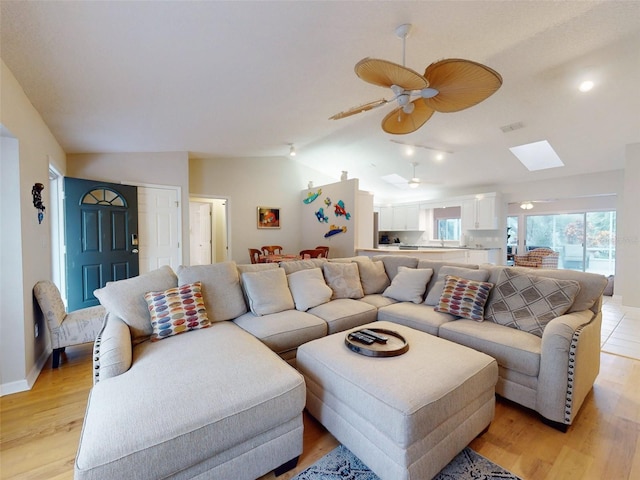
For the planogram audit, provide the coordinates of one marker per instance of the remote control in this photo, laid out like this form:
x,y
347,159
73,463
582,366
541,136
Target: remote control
x,y
375,335
359,337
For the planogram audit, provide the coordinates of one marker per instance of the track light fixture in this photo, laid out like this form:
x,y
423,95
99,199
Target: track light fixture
x,y
526,205
292,150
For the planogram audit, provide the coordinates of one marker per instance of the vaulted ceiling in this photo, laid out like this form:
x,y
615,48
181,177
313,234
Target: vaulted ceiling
x,y
246,79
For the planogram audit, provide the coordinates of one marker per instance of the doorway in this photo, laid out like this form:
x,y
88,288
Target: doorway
x,y
208,233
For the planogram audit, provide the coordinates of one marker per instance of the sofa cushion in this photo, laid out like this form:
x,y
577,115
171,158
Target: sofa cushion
x,y
344,313
464,298
176,310
529,302
125,298
378,300
436,265
221,288
267,291
419,316
409,284
392,262
308,288
283,331
435,291
344,279
513,349
170,419
297,265
373,277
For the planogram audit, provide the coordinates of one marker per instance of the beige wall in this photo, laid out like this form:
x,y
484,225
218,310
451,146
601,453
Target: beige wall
x,y
252,182
164,168
27,148
628,241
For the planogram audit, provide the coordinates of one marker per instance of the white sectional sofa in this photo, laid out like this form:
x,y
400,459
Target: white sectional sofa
x,y
225,401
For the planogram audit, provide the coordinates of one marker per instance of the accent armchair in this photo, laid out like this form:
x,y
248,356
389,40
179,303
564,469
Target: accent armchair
x,y
538,258
66,329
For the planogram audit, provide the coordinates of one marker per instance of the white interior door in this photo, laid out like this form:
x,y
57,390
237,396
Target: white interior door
x,y
200,233
158,227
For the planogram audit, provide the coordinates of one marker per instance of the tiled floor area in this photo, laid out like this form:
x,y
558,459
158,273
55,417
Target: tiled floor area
x,y
620,328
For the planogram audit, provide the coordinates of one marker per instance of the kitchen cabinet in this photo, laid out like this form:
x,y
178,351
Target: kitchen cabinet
x,y
401,217
385,219
479,257
480,213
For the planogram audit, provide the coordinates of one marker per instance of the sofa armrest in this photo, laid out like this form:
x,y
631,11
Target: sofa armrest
x,y
112,350
569,364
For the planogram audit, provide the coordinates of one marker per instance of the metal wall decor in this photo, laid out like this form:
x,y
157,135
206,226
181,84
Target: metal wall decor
x,y
36,192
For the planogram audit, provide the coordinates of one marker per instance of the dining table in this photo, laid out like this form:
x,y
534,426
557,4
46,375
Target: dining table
x,y
279,257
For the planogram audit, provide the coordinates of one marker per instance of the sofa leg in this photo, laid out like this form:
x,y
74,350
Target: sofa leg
x,y
285,467
562,427
55,361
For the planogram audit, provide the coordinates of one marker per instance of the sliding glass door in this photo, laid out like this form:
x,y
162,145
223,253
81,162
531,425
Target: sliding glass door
x,y
585,241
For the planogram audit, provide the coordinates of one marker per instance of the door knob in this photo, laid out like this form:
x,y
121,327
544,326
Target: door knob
x,y
135,250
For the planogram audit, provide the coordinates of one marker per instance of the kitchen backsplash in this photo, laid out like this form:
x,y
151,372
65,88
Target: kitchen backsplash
x,y
472,238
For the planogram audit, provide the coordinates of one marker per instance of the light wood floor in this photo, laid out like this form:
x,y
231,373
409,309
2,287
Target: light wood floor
x,y
41,428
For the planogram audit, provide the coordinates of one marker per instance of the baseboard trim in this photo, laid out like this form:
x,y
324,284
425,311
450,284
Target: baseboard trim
x,y
26,383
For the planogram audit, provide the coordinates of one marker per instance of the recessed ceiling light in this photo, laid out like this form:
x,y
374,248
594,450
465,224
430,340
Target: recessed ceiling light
x,y
537,155
586,86
440,157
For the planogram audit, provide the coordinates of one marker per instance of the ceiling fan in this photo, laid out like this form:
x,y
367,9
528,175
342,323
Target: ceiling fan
x,y
448,85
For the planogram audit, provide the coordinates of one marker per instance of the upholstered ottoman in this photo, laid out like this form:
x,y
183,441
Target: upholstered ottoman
x,y
407,416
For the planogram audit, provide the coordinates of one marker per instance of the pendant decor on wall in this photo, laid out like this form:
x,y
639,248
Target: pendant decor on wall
x,y
321,216
312,196
340,210
334,230
36,192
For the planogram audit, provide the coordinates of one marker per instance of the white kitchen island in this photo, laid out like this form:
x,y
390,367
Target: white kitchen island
x,y
461,255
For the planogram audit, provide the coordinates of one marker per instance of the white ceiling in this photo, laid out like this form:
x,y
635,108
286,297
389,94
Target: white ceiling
x,y
245,79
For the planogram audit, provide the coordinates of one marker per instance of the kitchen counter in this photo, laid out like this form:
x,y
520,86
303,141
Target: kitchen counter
x,y
474,255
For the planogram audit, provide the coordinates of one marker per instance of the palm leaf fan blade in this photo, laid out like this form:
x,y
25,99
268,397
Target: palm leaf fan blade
x,y
400,123
358,109
384,74
460,83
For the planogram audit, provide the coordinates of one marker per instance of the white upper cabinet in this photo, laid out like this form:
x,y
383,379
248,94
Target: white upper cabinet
x,y
401,217
481,212
385,219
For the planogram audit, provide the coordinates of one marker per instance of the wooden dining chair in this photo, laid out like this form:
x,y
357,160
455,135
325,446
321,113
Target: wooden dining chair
x,y
325,249
312,253
255,254
271,249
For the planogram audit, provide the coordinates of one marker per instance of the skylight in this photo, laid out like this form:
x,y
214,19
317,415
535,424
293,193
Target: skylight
x,y
396,180
537,155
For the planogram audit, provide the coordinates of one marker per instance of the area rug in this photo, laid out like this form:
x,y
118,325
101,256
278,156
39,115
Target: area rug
x,y
341,464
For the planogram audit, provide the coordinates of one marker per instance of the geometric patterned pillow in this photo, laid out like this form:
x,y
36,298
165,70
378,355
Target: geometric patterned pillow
x,y
177,310
464,298
529,302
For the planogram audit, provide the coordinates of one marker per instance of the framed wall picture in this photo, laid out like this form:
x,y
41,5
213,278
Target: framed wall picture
x,y
268,217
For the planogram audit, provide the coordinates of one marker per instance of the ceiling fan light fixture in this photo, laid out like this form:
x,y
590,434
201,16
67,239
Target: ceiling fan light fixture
x,y
415,181
428,92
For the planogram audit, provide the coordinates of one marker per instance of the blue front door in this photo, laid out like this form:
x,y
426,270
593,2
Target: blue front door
x,y
101,227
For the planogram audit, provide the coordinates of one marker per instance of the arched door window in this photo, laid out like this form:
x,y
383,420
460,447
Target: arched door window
x,y
104,196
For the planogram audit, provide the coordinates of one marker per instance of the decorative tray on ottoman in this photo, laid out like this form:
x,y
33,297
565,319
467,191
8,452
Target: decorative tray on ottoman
x,y
394,345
